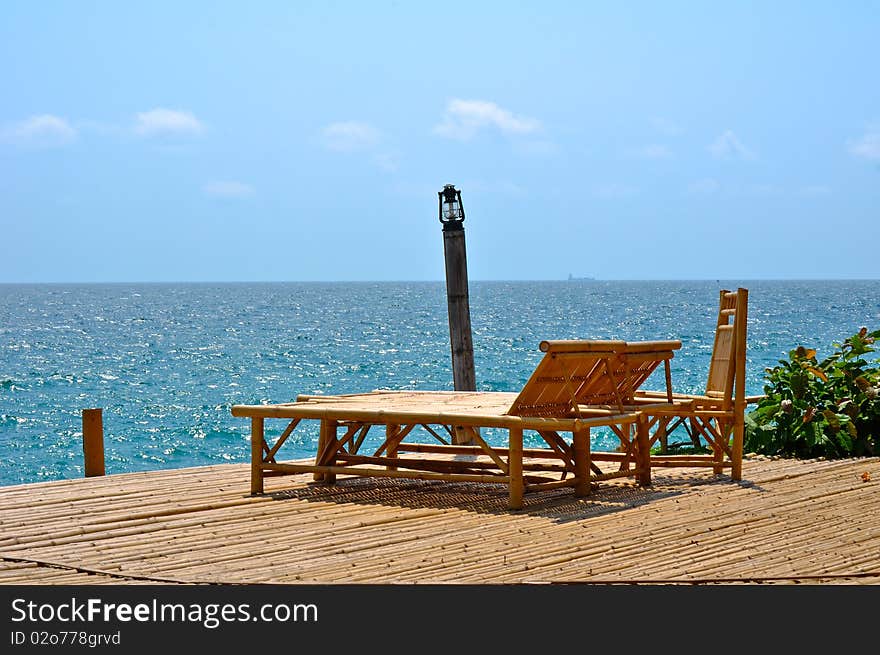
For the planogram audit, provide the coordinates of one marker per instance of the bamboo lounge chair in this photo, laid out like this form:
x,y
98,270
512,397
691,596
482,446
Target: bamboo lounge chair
x,y
718,415
577,385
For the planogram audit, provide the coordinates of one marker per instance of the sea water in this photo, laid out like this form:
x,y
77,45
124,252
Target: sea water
x,y
166,362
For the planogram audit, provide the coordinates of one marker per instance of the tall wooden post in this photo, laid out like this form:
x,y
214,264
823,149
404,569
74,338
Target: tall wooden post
x,y
458,305
93,442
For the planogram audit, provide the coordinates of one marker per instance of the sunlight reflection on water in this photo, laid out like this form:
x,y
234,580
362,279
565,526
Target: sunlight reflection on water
x,y
166,362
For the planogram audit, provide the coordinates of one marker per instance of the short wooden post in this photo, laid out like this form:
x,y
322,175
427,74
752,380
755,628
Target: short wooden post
x,y
643,447
93,442
458,304
257,437
581,443
515,467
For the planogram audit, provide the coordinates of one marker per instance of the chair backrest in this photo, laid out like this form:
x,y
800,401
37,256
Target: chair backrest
x,y
727,367
574,373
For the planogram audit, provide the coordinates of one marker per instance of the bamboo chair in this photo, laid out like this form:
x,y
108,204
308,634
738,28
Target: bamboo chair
x,y
718,415
594,381
577,385
589,379
576,378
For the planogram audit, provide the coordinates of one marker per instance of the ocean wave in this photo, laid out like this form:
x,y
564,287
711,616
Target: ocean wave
x,y
167,368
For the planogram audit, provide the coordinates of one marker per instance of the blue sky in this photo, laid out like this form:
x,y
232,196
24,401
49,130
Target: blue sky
x,y
307,141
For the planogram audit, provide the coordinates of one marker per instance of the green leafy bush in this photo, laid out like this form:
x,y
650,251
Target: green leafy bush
x,y
820,409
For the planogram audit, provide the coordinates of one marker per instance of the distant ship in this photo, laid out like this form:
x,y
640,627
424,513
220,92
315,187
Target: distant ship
x,y
572,278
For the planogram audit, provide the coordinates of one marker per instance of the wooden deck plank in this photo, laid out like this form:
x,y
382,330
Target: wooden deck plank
x,y
787,521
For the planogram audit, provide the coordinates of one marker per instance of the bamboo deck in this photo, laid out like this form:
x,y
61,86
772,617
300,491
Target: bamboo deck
x,y
786,522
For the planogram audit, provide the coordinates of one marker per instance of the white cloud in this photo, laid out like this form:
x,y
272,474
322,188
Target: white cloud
x,y
868,145
666,126
650,151
349,136
464,118
706,186
40,130
160,121
228,189
728,146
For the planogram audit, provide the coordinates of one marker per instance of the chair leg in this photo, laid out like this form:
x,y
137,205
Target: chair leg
x,y
643,451
515,467
694,433
328,438
717,450
257,437
662,435
322,442
581,439
391,432
737,450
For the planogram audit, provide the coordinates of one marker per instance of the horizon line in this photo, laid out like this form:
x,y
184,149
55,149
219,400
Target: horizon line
x,y
411,281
